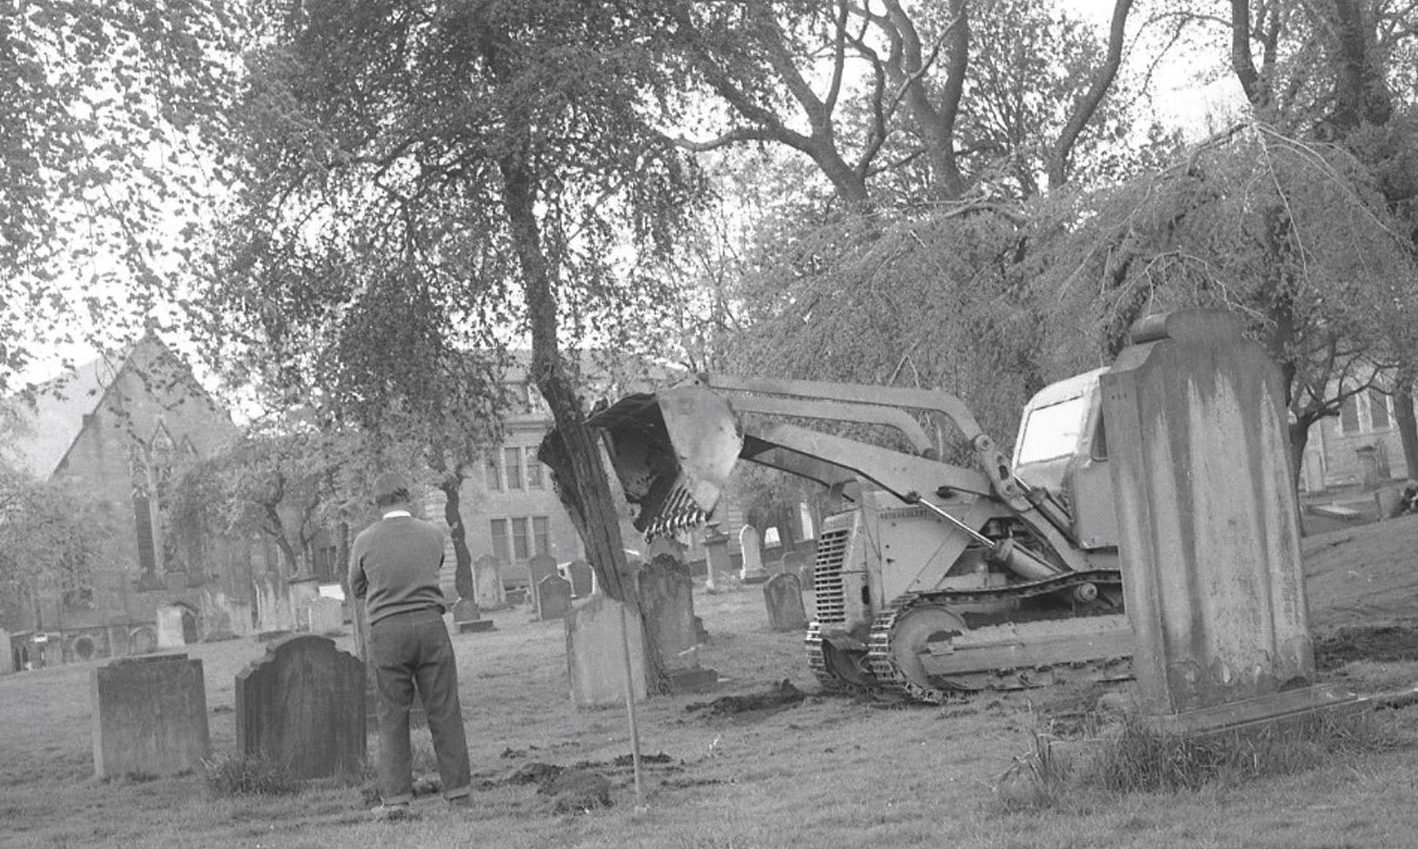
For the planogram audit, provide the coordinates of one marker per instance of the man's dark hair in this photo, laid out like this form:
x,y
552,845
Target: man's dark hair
x,y
388,499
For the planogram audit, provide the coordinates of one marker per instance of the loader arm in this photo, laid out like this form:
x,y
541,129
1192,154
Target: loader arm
x,y
674,450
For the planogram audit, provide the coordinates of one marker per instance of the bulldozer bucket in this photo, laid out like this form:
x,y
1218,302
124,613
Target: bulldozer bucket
x,y
673,451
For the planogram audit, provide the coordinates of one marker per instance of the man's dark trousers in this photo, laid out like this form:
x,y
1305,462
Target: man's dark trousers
x,y
411,648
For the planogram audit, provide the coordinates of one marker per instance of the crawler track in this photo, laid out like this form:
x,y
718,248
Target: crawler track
x,y
888,679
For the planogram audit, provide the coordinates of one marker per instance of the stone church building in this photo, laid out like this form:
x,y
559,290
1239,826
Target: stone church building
x,y
122,430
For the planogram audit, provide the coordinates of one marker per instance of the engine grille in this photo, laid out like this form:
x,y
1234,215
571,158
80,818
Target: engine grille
x,y
829,589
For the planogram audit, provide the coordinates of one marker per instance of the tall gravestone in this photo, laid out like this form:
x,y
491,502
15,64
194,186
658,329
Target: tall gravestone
x,y
750,547
324,616
540,566
487,583
783,596
304,705
666,594
169,627
7,656
553,597
1209,540
149,716
597,633
582,578
716,556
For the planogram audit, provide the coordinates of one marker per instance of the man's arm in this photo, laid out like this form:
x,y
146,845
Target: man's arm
x,y
359,583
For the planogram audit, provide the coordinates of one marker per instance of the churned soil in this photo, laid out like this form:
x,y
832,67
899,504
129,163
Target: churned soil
x,y
1378,644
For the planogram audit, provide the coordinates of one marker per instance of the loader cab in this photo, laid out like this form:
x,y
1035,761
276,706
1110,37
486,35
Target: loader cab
x,y
1063,447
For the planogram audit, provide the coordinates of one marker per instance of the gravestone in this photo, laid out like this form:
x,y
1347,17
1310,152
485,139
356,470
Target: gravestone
x,y
274,610
149,716
553,597
169,627
806,529
143,640
1208,528
796,563
7,656
468,618
716,556
540,566
596,633
487,583
581,576
783,595
325,616
666,595
304,704
749,547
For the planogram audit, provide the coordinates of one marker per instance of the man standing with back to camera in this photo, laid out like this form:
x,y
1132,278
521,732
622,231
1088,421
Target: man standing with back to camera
x,y
394,567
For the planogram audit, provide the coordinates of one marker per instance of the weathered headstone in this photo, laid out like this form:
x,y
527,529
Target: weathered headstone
x,y
7,657
596,632
806,529
794,562
553,597
540,566
752,571
467,617
581,576
783,595
169,627
273,604
149,716
304,704
487,583
325,616
143,640
666,595
1207,524
716,556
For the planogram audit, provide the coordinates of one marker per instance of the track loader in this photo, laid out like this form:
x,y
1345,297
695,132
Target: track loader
x,y
931,579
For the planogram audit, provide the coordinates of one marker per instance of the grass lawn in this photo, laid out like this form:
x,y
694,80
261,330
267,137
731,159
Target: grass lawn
x,y
830,772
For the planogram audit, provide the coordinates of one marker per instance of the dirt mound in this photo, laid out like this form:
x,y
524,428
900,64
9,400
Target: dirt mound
x,y
782,695
1380,644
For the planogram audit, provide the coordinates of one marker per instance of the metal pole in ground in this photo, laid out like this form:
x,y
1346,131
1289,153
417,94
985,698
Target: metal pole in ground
x,y
630,708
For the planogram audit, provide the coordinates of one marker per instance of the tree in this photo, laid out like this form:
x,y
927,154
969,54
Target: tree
x,y
103,110
956,95
51,537
504,156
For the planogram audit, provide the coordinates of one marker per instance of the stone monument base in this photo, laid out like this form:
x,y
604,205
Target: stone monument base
x,y
1251,714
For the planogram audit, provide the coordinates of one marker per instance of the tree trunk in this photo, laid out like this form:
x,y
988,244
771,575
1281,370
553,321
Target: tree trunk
x,y
453,515
571,451
1407,424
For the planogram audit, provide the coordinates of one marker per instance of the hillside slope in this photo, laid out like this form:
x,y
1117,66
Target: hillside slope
x,y
1363,575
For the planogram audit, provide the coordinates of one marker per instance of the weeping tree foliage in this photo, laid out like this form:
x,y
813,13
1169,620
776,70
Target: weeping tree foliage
x,y
1294,236
51,538
938,303
105,174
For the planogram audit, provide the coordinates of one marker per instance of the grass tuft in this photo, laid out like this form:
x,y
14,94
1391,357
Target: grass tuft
x,y
1137,758
1143,759
239,774
1038,779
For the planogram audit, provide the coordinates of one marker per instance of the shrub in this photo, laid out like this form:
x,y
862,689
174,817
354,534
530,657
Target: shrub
x,y
239,774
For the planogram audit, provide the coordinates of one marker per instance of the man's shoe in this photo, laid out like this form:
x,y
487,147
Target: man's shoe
x,y
392,813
